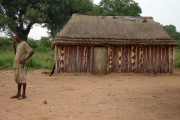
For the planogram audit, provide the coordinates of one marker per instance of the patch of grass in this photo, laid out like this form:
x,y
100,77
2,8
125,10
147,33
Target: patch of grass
x,y
178,42
6,59
177,59
40,60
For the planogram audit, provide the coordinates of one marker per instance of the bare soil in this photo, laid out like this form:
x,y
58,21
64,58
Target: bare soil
x,y
92,97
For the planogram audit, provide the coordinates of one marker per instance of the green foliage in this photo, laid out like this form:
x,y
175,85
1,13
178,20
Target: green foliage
x,y
33,43
5,43
60,12
171,30
44,44
118,8
6,59
178,42
177,59
43,57
41,60
1,21
20,15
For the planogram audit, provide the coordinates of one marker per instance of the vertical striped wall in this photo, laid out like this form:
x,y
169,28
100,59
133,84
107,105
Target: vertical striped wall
x,y
142,59
72,58
151,59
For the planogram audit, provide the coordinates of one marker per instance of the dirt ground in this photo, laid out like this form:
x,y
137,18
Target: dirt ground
x,y
92,97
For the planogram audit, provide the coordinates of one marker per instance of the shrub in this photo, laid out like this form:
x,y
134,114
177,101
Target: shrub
x,y
32,43
41,60
177,59
5,44
178,42
6,60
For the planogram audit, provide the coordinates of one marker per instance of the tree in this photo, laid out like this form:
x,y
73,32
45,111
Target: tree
x,y
20,15
60,14
33,43
119,8
171,30
44,43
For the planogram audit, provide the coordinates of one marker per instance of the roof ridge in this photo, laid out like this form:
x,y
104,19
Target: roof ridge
x,y
117,17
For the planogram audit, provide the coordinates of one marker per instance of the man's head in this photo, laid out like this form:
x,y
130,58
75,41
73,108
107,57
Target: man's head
x,y
18,37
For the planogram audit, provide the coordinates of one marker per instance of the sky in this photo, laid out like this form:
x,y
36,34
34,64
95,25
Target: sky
x,y
165,12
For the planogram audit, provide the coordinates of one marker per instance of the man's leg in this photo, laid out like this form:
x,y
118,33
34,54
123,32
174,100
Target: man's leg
x,y
23,82
19,89
24,90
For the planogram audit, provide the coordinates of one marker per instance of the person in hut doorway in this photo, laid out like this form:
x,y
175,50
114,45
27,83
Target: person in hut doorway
x,y
22,53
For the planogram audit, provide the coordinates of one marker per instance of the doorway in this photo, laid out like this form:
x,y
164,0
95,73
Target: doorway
x,y
100,60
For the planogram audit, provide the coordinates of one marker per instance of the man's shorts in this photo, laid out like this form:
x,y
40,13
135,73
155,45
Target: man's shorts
x,y
20,75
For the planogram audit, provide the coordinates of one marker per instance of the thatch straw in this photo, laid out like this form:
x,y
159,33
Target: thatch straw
x,y
83,29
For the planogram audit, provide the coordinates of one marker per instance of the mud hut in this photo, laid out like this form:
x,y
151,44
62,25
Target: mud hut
x,y
113,44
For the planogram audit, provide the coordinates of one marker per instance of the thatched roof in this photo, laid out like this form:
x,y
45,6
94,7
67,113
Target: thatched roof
x,y
117,30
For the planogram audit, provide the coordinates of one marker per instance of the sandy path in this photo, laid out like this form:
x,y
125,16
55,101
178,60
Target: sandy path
x,y
88,97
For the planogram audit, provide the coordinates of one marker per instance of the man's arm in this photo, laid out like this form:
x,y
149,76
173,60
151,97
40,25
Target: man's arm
x,y
14,47
29,55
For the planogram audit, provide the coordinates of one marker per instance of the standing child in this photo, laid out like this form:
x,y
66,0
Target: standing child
x,y
22,53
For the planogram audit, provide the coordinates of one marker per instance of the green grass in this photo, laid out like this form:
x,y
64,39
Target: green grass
x,y
40,60
6,59
178,42
177,59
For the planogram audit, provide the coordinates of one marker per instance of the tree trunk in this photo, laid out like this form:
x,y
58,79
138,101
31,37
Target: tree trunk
x,y
26,31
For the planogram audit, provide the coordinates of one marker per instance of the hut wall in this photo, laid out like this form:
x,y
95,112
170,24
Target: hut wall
x,y
140,59
151,59
73,58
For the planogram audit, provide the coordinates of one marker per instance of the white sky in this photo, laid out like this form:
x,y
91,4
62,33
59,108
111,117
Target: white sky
x,y
165,12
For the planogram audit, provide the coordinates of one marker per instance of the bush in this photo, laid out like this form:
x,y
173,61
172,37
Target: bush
x,y
44,44
6,61
5,44
42,59
177,59
178,42
33,43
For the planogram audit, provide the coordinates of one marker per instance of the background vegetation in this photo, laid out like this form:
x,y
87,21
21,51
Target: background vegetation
x,y
42,59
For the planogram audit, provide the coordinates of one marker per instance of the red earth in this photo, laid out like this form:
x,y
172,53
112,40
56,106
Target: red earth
x,y
92,97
